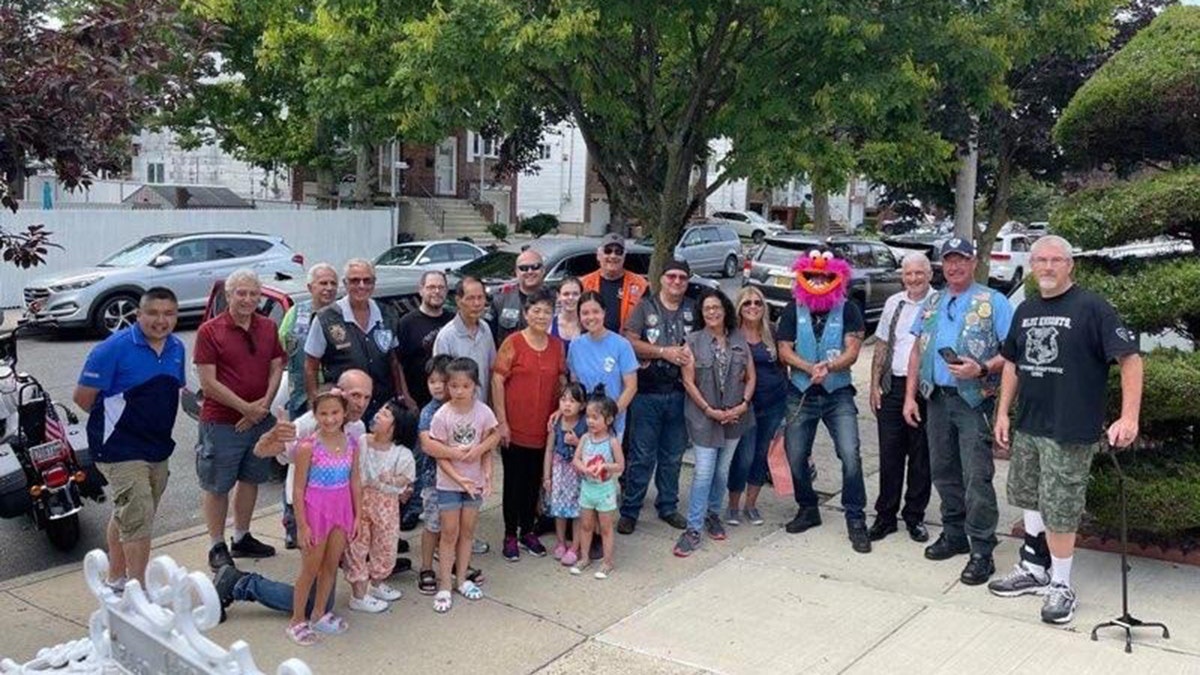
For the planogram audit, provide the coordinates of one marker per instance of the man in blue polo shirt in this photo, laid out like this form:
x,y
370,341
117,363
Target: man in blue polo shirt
x,y
130,388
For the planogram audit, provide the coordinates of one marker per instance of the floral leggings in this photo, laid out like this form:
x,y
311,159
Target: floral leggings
x,y
372,555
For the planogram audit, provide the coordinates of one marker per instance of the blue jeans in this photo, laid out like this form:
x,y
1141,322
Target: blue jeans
x,y
271,594
840,416
657,439
750,461
710,474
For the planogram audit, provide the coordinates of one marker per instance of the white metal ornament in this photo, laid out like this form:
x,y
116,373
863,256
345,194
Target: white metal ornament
x,y
149,631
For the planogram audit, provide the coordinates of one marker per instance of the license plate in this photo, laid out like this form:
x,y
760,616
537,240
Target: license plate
x,y
45,452
783,282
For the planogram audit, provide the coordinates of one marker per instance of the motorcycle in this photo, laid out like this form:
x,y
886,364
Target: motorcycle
x,y
46,470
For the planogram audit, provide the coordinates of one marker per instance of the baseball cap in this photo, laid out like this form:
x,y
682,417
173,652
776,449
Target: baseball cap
x,y
959,246
612,238
676,264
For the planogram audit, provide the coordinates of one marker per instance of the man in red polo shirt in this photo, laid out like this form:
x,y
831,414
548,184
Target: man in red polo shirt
x,y
240,362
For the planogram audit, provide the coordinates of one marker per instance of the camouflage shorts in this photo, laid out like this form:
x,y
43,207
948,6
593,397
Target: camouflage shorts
x,y
1051,477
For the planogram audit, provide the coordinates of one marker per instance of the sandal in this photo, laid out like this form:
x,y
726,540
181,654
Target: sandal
x,y
470,591
580,566
474,575
330,624
442,602
604,571
427,582
302,634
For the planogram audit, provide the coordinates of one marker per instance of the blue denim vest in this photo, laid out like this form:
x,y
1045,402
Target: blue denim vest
x,y
976,340
832,343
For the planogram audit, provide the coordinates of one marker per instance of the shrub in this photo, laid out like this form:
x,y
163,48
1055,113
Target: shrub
x,y
499,231
1149,295
1162,489
1167,203
541,224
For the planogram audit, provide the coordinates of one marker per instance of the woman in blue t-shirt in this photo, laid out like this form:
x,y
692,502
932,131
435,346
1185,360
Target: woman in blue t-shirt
x,y
601,357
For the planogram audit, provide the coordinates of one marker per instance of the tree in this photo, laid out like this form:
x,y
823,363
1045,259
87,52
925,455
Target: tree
x,y
71,96
796,87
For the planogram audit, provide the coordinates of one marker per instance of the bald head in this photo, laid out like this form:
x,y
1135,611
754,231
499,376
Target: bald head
x,y
531,270
356,385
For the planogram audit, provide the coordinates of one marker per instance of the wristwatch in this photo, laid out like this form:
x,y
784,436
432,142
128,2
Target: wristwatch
x,y
983,370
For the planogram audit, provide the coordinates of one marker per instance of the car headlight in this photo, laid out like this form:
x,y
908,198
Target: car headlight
x,y
75,284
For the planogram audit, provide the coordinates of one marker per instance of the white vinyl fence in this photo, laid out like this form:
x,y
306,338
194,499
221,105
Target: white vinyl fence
x,y
88,236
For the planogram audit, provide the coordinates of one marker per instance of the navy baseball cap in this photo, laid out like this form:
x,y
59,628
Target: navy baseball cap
x,y
959,246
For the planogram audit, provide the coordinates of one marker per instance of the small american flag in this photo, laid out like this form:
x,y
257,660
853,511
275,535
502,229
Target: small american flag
x,y
55,431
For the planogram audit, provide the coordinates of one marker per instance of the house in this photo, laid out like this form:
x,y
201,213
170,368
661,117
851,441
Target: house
x,y
159,159
563,182
185,197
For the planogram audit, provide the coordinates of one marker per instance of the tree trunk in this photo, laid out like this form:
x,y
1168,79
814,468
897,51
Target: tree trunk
x,y
964,189
998,211
820,197
326,178
364,176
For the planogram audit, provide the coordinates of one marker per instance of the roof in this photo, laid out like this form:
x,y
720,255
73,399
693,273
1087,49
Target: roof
x,y
189,197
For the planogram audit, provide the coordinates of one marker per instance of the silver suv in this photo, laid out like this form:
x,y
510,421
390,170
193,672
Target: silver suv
x,y
105,297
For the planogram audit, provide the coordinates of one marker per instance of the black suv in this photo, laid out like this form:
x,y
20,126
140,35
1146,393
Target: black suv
x,y
876,271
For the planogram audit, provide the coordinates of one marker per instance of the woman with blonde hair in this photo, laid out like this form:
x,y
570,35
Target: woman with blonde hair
x,y
748,471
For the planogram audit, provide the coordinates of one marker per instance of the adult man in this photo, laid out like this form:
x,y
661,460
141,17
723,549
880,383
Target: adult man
x,y
415,333
622,289
130,388
955,365
1057,355
467,335
900,444
240,362
355,332
819,338
657,433
293,331
507,313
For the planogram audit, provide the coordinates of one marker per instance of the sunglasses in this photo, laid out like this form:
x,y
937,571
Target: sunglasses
x,y
529,268
360,281
613,249
675,277
753,303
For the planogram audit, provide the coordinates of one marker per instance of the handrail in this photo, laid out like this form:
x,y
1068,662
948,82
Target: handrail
x,y
428,204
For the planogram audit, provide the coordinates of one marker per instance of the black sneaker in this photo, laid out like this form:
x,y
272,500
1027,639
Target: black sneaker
x,y
402,565
626,525
409,522
859,539
944,549
289,541
880,529
249,547
533,545
979,569
224,580
805,519
402,546
218,557
675,520
918,532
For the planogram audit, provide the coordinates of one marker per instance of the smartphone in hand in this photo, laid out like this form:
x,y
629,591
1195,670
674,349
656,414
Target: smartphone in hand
x,y
950,356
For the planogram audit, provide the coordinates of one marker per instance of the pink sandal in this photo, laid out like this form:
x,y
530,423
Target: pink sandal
x,y
302,634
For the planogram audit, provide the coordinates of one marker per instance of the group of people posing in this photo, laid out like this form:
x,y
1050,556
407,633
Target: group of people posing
x,y
589,391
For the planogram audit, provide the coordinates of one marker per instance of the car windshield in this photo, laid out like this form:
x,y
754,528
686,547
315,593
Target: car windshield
x,y
784,256
400,255
497,264
136,254
755,218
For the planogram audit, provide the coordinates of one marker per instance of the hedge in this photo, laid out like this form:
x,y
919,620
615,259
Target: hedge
x,y
541,224
1162,490
1141,104
1149,295
1166,203
1170,393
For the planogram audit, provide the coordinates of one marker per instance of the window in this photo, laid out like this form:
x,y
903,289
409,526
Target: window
x,y
188,252
463,252
580,264
438,253
1019,244
227,249
858,255
784,257
155,172
727,234
691,238
491,146
883,257
544,151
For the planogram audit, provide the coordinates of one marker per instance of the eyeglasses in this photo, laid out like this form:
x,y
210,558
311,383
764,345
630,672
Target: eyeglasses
x,y
529,268
613,249
675,277
755,302
1056,260
360,281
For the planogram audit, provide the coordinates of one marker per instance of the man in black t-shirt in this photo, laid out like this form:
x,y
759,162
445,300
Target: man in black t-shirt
x,y
1057,354
415,333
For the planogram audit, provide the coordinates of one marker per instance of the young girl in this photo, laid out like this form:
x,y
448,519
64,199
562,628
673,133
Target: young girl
x,y
468,428
599,459
327,496
388,471
562,480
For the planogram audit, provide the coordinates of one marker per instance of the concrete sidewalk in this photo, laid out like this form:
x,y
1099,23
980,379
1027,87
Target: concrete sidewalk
x,y
762,601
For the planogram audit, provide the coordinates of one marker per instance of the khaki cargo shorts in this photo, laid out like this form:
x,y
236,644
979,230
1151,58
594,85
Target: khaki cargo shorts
x,y
135,488
1050,477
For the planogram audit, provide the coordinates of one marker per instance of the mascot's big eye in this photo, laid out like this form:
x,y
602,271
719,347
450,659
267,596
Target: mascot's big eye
x,y
827,255
814,254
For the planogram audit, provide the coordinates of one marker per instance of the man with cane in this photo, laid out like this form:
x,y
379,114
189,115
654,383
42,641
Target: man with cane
x,y
1057,354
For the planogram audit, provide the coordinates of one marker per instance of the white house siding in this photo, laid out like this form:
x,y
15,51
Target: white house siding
x,y
206,165
559,186
731,195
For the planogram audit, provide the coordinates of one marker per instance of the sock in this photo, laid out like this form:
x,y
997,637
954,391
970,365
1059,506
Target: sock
x,y
1033,523
238,534
1060,570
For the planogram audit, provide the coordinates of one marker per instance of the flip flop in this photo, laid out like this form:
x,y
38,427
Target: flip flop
x,y
302,634
331,624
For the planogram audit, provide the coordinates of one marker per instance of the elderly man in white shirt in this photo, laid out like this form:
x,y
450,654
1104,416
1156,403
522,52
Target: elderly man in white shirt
x,y
900,444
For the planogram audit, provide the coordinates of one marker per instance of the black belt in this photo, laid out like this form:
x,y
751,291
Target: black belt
x,y
945,391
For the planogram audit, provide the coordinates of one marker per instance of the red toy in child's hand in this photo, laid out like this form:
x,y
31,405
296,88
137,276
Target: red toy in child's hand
x,y
595,461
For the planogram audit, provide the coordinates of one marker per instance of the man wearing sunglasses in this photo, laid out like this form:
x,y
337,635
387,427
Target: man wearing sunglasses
x,y
622,289
507,312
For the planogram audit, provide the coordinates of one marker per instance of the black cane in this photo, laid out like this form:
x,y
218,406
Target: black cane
x,y
1126,621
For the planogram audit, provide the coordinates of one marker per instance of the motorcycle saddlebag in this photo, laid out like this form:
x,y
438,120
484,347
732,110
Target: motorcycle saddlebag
x,y
14,490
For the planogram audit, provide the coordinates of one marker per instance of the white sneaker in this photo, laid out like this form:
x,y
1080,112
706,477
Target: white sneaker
x,y
383,591
368,604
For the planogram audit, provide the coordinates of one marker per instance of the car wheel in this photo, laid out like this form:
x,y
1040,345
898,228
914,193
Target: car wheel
x,y
114,313
758,236
730,268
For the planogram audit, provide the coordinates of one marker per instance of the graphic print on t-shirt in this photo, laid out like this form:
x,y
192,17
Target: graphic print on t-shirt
x,y
1041,344
463,434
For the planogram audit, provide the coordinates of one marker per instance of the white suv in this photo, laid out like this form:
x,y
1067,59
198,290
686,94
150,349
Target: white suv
x,y
105,297
748,224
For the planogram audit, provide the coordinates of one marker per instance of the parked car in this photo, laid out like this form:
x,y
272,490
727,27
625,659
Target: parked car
x,y
105,297
278,296
708,248
1009,260
441,255
748,224
876,270
564,257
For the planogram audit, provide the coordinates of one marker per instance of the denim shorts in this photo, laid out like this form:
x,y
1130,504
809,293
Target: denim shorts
x,y
453,500
224,456
430,510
